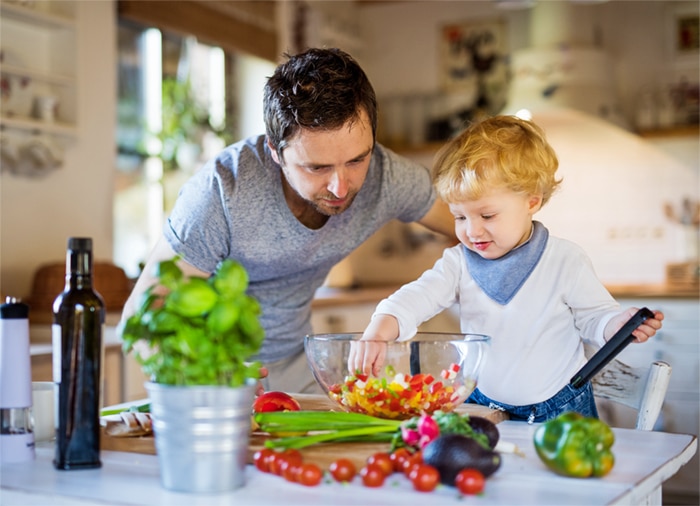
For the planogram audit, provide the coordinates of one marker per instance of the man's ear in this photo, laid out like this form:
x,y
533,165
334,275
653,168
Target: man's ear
x,y
273,151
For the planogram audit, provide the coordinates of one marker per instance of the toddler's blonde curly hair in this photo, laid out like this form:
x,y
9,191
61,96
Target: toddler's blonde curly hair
x,y
498,152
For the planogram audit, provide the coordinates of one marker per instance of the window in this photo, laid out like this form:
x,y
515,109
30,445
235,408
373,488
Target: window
x,y
180,102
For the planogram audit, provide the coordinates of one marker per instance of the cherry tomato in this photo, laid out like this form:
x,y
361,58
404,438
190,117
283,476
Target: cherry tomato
x,y
412,461
290,468
470,481
260,459
342,470
274,462
292,454
383,460
372,475
310,474
398,457
424,477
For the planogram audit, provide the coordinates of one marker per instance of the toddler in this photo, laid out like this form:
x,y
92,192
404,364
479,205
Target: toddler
x,y
536,295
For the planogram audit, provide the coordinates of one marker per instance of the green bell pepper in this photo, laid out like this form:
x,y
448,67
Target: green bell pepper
x,y
576,446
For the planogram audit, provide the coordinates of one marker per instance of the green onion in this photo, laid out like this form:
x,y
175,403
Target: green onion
x,y
143,408
326,426
337,436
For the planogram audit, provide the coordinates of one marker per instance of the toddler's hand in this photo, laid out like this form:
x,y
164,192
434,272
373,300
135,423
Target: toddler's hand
x,y
641,333
367,356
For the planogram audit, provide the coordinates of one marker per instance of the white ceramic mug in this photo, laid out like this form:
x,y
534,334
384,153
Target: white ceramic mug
x,y
42,410
45,107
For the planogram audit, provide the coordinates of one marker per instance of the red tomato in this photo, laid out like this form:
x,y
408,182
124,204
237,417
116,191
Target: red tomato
x,y
342,470
424,477
290,469
383,460
310,474
261,459
470,481
372,475
292,454
287,464
274,462
398,457
414,460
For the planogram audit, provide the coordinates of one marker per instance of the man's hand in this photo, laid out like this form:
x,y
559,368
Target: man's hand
x,y
260,389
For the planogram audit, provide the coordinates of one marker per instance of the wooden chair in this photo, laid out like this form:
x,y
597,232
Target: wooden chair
x,y
109,280
641,388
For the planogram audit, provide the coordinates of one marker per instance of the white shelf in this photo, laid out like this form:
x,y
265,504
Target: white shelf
x,y
55,79
35,17
38,42
36,126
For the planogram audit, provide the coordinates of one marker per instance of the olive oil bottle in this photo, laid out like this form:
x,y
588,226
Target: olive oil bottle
x,y
78,323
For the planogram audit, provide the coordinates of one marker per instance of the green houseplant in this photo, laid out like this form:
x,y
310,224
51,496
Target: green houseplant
x,y
194,338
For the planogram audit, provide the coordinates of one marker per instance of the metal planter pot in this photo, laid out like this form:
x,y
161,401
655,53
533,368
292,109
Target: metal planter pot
x,y
201,435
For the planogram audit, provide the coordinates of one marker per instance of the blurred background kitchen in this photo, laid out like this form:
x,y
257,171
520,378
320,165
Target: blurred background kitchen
x,y
108,106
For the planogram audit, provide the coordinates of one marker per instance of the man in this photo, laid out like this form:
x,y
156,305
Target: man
x,y
291,204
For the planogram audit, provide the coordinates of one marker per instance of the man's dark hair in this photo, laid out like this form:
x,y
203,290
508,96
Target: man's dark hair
x,y
319,89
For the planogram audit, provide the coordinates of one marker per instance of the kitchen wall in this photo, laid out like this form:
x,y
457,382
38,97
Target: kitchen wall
x,y
397,44
615,183
37,215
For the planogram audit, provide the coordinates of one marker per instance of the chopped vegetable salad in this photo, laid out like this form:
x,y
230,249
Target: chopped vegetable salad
x,y
401,396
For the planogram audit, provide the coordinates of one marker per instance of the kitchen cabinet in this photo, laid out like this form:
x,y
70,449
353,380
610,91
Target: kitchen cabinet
x,y
678,344
678,131
38,63
341,319
355,317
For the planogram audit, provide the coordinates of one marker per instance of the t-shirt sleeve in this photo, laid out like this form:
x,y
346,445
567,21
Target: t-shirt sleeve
x,y
197,228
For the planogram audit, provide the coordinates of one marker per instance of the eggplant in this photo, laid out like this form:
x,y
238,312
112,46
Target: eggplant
x,y
450,453
487,427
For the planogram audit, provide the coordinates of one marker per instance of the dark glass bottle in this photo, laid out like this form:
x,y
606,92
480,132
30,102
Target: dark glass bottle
x,y
78,320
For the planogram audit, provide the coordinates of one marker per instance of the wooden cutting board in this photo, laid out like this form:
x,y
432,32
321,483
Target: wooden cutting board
x,y
321,454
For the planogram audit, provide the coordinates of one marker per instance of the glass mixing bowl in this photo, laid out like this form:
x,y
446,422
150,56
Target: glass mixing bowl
x,y
433,371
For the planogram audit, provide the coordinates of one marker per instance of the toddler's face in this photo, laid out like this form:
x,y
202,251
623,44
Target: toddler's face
x,y
496,223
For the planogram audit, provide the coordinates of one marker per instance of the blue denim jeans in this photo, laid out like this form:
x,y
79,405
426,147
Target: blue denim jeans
x,y
568,398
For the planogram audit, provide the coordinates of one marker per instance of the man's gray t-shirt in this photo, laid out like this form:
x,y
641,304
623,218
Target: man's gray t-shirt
x,y
233,207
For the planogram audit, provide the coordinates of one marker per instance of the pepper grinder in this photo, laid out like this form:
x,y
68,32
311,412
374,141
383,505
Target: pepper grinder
x,y
16,431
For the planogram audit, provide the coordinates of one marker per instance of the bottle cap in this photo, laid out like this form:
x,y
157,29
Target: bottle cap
x,y
13,309
80,243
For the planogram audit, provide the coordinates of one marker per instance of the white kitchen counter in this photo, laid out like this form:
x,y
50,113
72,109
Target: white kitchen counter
x,y
644,460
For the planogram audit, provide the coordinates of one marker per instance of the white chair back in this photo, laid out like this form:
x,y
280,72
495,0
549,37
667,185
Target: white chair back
x,y
641,388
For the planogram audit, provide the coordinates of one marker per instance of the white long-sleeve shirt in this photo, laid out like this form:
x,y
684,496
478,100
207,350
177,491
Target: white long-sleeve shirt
x,y
536,338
